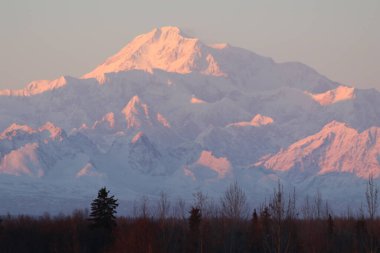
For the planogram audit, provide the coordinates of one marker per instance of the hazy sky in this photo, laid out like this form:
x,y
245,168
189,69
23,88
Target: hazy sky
x,y
43,39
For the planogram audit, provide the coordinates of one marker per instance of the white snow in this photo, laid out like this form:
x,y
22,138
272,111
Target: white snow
x,y
22,161
257,121
163,48
195,100
108,119
135,112
336,148
36,87
163,120
220,165
178,115
329,97
14,129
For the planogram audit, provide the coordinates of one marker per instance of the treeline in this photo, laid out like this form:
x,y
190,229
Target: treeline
x,y
227,225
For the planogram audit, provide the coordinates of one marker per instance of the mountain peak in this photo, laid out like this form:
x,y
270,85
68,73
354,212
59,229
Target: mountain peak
x,y
165,33
257,121
54,131
165,48
15,128
135,112
335,125
36,87
261,120
336,148
341,93
174,30
108,121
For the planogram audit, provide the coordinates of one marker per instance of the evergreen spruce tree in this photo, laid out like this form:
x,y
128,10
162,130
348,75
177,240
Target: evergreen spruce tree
x,y
194,227
195,219
256,240
103,210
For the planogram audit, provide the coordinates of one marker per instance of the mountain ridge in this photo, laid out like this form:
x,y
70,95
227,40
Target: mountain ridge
x,y
178,115
336,148
168,49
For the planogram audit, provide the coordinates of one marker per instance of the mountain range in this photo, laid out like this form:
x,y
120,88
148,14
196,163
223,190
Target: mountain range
x,y
171,113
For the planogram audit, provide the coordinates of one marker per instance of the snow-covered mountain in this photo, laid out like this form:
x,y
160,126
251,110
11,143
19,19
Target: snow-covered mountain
x,y
329,97
169,112
36,87
336,148
40,152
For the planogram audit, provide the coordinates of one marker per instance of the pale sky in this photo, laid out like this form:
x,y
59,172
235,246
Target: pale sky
x,y
43,39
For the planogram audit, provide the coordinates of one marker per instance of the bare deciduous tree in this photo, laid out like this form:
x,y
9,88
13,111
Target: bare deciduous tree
x,y
277,204
313,207
141,207
372,197
318,205
163,206
306,209
212,209
234,202
179,209
291,211
282,217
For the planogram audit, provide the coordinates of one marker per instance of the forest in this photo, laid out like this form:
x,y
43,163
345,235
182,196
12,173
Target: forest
x,y
205,225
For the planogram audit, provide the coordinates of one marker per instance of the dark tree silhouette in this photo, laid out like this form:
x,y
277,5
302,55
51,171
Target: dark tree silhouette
x,y
195,219
197,233
194,226
256,238
103,210
330,234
